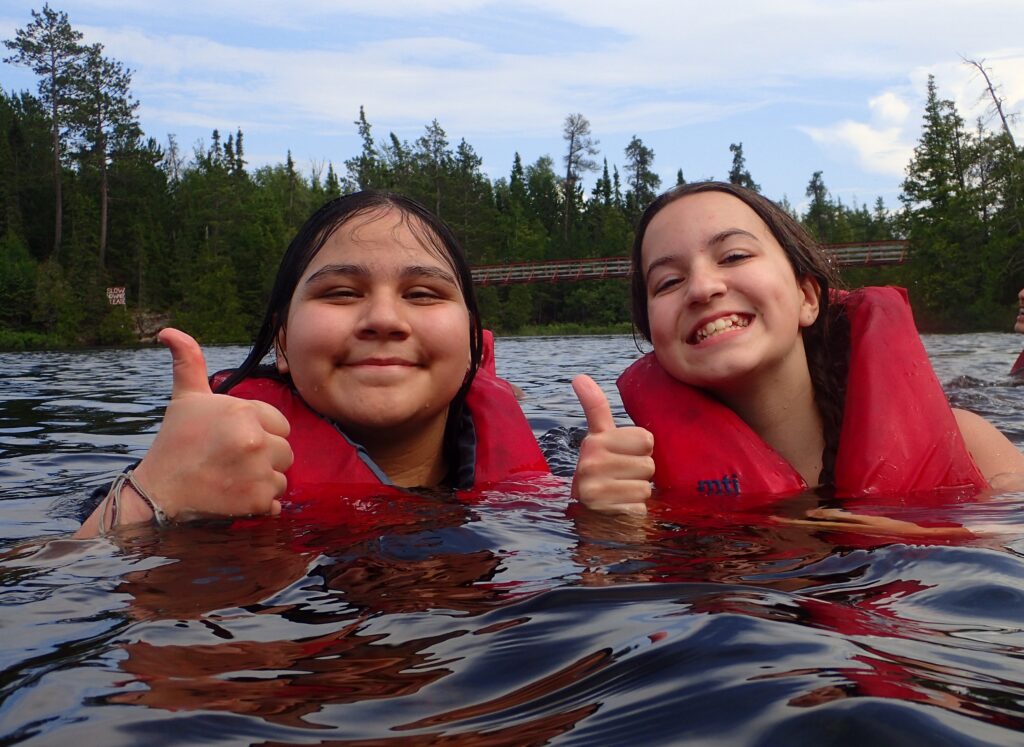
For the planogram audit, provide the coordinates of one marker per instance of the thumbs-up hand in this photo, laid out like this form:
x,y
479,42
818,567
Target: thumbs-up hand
x,y
214,454
615,467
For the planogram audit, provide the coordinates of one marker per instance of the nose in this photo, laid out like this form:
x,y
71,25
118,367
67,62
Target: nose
x,y
384,316
705,282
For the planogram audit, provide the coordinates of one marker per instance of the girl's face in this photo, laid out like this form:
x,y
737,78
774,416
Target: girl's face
x,y
725,306
377,334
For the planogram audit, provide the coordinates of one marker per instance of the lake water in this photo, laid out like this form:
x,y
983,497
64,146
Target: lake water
x,y
515,621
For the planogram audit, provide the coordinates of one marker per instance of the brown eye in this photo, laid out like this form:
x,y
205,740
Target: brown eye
x,y
667,284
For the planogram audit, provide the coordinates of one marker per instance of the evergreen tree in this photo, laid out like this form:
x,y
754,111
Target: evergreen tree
x,y
942,218
544,199
579,147
332,186
105,122
365,169
643,182
434,159
26,181
517,182
52,49
603,188
739,174
818,217
237,165
617,189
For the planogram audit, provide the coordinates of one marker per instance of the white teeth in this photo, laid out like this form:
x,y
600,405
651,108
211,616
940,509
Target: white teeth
x,y
721,324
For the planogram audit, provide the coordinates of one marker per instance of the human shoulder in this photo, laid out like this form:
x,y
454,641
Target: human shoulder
x,y
999,460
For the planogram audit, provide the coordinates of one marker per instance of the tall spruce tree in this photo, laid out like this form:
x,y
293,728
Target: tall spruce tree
x,y
642,180
942,217
739,174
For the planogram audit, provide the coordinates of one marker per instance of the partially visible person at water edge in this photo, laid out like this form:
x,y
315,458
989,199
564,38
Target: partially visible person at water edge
x,y
1018,366
376,385
765,380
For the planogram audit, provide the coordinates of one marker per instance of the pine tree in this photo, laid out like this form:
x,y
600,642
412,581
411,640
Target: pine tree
x,y
105,122
579,147
52,49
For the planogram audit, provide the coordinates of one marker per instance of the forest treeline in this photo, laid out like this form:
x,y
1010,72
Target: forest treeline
x,y
89,201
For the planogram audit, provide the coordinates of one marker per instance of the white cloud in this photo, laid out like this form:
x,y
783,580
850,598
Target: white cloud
x,y
479,67
889,108
884,145
879,150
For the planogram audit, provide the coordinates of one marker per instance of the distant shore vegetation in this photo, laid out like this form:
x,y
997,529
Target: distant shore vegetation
x,y
91,202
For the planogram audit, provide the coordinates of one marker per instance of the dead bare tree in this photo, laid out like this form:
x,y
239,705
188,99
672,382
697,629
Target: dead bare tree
x,y
997,101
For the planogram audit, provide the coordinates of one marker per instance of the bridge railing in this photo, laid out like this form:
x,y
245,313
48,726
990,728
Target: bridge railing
x,y
864,254
871,253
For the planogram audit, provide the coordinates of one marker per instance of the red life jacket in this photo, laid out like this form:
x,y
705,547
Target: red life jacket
x,y
1018,367
328,464
898,436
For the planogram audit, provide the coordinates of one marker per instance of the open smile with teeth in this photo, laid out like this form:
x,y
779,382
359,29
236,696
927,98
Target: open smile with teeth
x,y
722,324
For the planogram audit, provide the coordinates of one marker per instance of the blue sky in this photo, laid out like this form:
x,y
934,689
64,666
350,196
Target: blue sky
x,y
806,85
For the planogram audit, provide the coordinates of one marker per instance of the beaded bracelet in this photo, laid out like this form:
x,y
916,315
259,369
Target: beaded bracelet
x,y
114,499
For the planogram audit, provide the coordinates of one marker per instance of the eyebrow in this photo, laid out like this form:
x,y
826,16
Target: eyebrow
x,y
718,238
410,272
721,236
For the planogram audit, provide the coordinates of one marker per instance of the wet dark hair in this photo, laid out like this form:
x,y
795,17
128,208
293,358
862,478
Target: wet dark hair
x,y
431,232
826,341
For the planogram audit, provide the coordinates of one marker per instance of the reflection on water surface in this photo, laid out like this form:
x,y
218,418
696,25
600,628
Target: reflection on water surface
x,y
506,621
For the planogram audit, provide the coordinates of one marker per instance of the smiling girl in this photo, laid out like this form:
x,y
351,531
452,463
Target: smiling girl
x,y
764,381
376,383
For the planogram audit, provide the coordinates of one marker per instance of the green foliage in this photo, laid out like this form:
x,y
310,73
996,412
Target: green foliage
x,y
17,281
202,234
116,327
517,308
962,217
19,339
643,182
600,303
739,174
567,329
55,310
212,311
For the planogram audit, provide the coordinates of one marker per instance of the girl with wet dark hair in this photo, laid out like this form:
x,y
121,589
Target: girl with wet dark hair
x,y
765,380
376,383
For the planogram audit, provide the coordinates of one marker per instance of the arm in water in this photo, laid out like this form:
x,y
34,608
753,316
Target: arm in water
x,y
615,466
215,455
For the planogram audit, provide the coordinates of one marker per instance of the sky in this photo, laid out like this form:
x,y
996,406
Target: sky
x,y
836,86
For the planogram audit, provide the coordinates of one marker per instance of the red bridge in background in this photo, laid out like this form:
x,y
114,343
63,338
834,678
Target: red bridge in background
x,y
869,254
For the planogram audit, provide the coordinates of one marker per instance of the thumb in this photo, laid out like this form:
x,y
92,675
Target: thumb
x,y
189,366
595,404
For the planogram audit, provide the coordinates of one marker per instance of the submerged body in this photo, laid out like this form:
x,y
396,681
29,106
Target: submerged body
x,y
496,444
377,341
899,435
735,297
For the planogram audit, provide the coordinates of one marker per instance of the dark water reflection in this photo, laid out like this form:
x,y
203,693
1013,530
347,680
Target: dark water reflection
x,y
508,621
